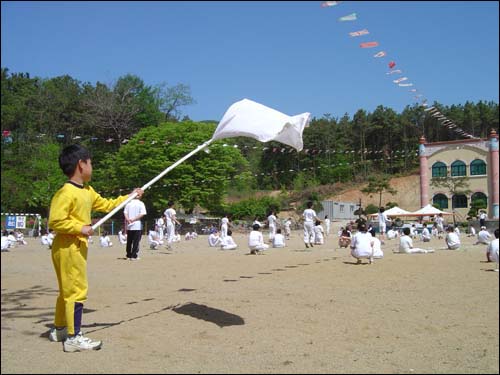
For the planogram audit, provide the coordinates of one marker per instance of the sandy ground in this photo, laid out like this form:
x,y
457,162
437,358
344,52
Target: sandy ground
x,y
200,310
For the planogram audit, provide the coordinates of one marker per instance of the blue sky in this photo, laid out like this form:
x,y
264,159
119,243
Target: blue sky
x,y
292,56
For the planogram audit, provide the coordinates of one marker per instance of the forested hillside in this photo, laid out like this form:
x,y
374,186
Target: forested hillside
x,y
134,131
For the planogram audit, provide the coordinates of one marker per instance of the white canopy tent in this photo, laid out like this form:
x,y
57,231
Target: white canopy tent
x,y
394,211
429,211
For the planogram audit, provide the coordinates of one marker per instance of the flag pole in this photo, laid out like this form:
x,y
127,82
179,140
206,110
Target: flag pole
x,y
146,186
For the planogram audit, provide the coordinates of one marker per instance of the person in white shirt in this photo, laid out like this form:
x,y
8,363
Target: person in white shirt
x,y
5,241
457,230
439,220
482,218
344,238
406,244
122,237
362,245
452,240
20,237
48,238
256,240
256,221
228,242
413,231
171,219
133,212
309,216
271,220
318,233
383,220
224,227
472,232
161,227
279,239
483,237
392,234
426,235
154,239
104,240
492,250
44,240
12,239
327,225
288,228
214,239
188,236
377,248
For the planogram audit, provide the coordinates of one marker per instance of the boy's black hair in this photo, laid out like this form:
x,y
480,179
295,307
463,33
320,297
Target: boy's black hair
x,y
229,232
406,231
309,204
70,156
278,230
256,227
496,233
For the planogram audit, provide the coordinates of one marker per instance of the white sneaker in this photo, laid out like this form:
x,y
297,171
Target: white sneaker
x,y
79,342
58,335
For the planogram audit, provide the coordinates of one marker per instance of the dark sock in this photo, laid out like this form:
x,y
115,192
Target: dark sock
x,y
78,317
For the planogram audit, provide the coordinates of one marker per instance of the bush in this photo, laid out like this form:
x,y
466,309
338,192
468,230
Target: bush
x,y
250,208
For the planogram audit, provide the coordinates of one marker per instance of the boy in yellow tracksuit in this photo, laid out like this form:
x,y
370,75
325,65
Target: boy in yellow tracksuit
x,y
69,217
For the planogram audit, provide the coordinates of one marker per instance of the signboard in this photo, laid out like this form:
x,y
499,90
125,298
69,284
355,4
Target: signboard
x,y
21,222
10,222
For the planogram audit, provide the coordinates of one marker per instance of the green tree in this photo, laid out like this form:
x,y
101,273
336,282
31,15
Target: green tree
x,y
201,180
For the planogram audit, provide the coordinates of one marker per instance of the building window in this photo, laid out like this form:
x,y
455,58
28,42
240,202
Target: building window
x,y
341,208
458,169
477,167
439,169
459,201
479,197
441,201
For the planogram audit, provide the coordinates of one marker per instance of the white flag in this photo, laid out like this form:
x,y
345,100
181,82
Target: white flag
x,y
247,118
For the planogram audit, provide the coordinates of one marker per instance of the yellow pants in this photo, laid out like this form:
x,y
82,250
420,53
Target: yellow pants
x,y
69,256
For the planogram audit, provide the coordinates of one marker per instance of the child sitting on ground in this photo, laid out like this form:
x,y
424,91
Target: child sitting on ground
x,y
279,239
256,240
104,240
452,240
228,242
406,244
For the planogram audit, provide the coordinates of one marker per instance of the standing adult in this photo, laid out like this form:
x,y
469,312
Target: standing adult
x,y
383,220
171,218
309,216
133,212
439,220
482,218
271,220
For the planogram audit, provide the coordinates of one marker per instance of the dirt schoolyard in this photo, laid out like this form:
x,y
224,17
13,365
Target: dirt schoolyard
x,y
197,309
